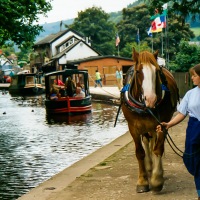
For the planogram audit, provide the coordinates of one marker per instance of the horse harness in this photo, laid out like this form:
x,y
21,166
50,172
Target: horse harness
x,y
140,108
130,101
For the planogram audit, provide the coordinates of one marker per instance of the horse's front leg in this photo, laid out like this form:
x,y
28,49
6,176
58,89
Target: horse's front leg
x,y
157,179
142,183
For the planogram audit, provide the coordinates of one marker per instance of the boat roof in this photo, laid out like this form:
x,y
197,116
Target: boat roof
x,y
68,72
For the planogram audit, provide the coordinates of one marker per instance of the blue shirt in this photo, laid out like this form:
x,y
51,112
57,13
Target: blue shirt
x,y
118,74
190,103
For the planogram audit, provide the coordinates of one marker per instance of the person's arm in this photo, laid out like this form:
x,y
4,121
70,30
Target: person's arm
x,y
177,119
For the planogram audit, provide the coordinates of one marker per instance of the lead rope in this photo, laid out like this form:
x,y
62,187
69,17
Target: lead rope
x,y
168,136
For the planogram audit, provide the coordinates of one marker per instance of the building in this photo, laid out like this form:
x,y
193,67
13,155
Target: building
x,y
106,65
69,49
53,52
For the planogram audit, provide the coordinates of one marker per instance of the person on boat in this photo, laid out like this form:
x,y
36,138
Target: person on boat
x,y
54,94
190,105
59,82
79,92
97,79
70,87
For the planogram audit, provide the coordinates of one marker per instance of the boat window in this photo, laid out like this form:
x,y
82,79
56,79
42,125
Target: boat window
x,y
30,80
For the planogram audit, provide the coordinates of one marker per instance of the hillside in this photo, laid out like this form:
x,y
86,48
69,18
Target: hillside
x,y
51,28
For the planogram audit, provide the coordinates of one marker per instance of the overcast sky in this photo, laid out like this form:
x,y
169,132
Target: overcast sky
x,y
68,9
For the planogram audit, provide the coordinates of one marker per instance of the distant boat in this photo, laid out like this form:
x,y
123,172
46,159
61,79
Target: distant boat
x,y
26,83
65,102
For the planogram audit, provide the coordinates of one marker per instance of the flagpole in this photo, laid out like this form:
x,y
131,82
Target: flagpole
x,y
118,49
162,42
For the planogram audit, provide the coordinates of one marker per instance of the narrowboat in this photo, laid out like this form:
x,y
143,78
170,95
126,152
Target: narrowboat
x,y
26,83
67,92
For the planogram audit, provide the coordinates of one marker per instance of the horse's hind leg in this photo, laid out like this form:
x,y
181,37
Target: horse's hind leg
x,y
142,183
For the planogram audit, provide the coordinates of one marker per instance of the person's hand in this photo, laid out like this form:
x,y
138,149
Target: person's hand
x,y
159,128
166,125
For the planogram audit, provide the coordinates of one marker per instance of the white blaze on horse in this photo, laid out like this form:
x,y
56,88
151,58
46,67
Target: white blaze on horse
x,y
150,94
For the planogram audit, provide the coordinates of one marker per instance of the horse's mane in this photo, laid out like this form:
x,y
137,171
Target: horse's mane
x,y
148,59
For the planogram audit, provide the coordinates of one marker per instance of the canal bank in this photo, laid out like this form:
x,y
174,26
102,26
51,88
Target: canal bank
x,y
52,188
111,173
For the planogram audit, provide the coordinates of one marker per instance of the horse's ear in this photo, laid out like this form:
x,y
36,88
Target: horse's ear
x,y
156,54
135,55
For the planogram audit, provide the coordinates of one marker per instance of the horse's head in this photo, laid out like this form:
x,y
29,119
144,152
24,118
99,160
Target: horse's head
x,y
146,81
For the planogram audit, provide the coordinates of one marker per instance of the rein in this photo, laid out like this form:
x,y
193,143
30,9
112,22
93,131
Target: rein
x,y
170,140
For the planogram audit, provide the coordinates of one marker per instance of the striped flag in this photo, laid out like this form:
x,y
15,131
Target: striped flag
x,y
117,40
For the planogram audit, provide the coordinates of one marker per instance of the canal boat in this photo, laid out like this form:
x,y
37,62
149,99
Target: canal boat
x,y
61,89
26,83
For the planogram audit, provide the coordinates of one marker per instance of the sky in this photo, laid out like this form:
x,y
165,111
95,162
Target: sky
x,y
68,9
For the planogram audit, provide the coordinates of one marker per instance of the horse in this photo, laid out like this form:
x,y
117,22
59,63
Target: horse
x,y
149,96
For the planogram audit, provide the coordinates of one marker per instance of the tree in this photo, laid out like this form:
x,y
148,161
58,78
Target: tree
x,y
188,56
94,23
182,8
133,19
138,17
18,18
127,50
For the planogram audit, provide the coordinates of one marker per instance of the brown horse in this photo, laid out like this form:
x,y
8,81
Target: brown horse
x,y
150,95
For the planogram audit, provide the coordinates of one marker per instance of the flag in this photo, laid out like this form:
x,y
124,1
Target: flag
x,y
117,40
158,23
138,36
149,32
164,6
164,13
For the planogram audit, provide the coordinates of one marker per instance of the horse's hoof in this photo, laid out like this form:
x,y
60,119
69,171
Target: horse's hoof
x,y
142,188
157,188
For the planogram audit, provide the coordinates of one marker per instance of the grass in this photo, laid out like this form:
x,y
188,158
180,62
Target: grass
x,y
196,31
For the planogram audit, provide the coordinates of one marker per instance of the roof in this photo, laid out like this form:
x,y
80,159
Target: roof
x,y
98,58
51,38
71,47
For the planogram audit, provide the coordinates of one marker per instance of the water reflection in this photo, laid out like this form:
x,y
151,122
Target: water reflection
x,y
35,147
68,119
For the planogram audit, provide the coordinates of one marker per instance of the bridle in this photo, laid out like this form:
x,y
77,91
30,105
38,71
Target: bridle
x,y
130,101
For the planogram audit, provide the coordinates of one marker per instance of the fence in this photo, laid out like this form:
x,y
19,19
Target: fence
x,y
183,81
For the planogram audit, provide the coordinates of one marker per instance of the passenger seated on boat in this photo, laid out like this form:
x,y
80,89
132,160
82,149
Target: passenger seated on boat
x,y
59,82
82,88
70,87
79,92
54,94
59,86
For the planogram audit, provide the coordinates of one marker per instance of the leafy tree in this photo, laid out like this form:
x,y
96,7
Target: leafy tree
x,y
8,49
182,8
188,56
18,18
138,17
127,50
133,19
24,54
94,23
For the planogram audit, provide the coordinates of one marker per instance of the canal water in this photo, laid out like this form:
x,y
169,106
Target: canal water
x,y
34,147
